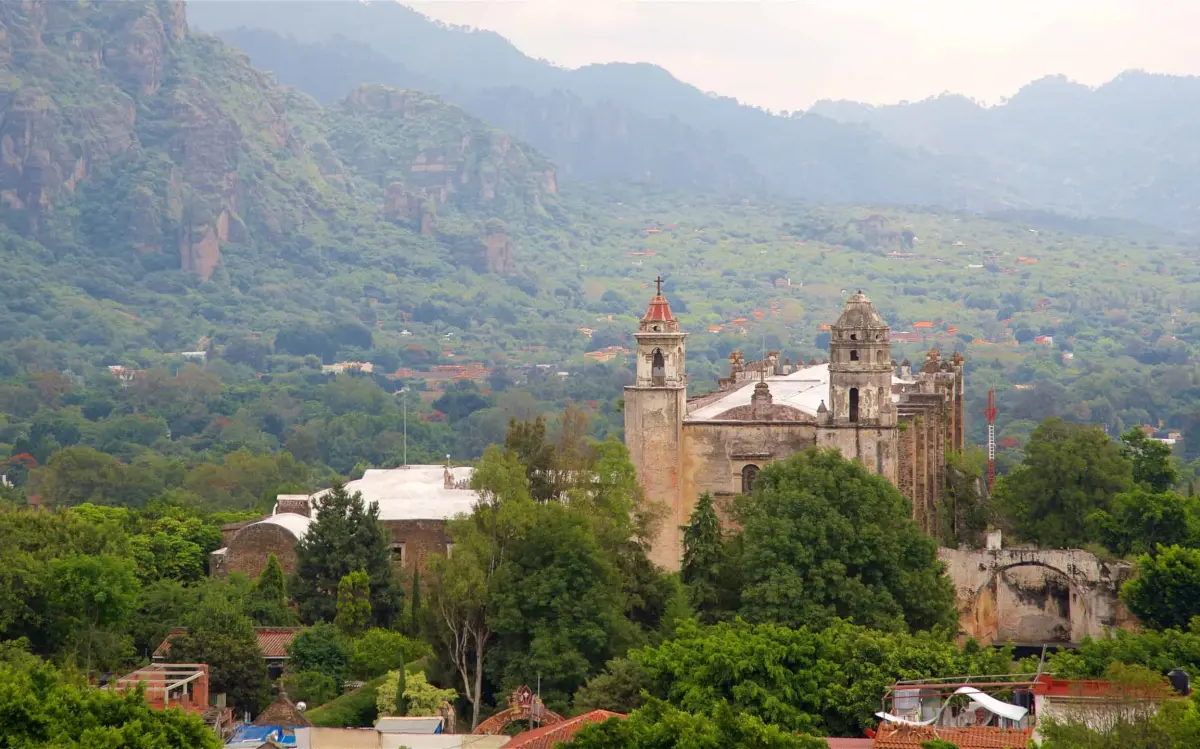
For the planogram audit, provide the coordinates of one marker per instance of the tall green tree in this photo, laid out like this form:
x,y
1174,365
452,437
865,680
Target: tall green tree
x,y
267,602
1140,521
1153,465
322,647
461,593
704,560
91,600
415,613
354,604
223,637
379,650
40,707
1166,590
825,682
824,539
1070,471
347,536
528,440
401,704
660,725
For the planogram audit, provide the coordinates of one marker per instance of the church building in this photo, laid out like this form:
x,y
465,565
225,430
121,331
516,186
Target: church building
x,y
897,422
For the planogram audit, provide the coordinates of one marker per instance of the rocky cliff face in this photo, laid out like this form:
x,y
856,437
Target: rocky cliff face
x,y
424,153
164,143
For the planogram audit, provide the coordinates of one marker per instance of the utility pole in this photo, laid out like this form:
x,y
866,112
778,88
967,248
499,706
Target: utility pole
x,y
990,413
404,403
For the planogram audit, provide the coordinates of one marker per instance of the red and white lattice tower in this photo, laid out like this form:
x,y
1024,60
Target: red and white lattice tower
x,y
990,413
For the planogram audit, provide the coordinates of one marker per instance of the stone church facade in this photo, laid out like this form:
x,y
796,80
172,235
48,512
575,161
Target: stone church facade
x,y
897,422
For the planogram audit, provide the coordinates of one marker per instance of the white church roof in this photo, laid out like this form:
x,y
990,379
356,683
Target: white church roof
x,y
413,493
297,524
803,390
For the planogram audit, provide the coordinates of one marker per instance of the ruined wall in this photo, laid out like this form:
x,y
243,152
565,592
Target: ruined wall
x,y
874,447
421,539
653,426
1036,596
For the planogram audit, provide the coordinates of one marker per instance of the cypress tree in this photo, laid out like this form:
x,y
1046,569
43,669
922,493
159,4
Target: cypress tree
x,y
414,627
703,558
401,684
267,602
354,604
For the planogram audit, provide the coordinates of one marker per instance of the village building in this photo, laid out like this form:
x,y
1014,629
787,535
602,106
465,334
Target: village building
x,y
414,504
273,643
899,423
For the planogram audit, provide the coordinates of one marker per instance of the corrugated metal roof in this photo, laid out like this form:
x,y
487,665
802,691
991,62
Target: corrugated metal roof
x,y
409,724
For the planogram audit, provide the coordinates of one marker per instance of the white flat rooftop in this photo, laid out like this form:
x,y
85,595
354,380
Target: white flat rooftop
x,y
803,390
413,493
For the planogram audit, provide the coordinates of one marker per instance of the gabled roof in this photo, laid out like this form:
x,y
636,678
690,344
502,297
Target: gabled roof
x,y
272,641
547,736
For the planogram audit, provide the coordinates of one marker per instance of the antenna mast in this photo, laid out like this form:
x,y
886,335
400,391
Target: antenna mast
x,y
990,413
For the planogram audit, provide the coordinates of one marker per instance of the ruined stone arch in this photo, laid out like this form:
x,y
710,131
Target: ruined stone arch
x,y
1013,605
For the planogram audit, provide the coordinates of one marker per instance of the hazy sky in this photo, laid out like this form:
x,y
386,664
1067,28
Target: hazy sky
x,y
785,54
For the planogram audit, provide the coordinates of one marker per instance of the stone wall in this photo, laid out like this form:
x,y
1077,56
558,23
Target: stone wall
x,y
248,551
653,426
1036,596
421,539
250,546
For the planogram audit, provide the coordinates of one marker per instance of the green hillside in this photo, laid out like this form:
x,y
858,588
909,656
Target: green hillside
x,y
163,196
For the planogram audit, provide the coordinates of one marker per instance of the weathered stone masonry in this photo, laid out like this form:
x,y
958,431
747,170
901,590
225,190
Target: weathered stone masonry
x,y
897,423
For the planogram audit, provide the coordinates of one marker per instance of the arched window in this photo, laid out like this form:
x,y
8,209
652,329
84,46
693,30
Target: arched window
x,y
853,355
658,369
749,473
853,404
854,336
879,357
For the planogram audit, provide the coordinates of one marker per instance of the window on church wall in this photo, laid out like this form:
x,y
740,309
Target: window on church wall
x,y
853,404
658,369
853,355
880,357
854,336
398,556
749,474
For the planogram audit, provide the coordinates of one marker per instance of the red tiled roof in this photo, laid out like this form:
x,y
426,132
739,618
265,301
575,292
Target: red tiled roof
x,y
891,736
547,736
272,641
850,743
658,311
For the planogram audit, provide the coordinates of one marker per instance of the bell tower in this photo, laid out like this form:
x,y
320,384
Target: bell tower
x,y
655,405
860,367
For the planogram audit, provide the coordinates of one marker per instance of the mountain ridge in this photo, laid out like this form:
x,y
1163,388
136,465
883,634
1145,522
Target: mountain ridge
x,y
1117,151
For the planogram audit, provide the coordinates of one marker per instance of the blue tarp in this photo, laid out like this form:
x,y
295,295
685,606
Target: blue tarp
x,y
248,733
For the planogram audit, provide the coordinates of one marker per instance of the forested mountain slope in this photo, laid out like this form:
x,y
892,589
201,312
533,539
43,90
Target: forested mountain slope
x,y
162,195
634,121
1123,150
1126,148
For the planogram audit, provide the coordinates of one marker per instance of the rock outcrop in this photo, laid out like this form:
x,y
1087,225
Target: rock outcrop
x,y
166,143
501,254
